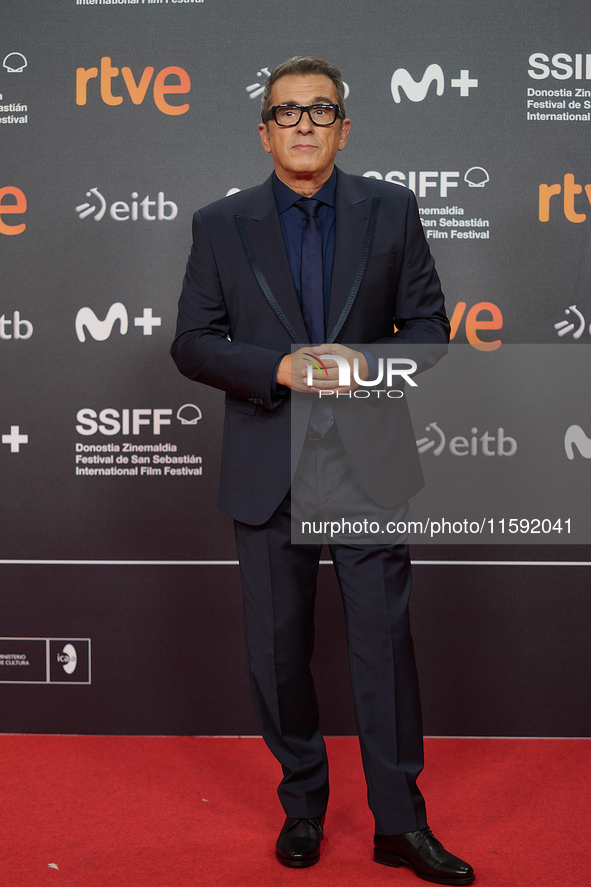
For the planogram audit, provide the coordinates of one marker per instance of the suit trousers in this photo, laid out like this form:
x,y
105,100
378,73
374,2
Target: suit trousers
x,y
279,585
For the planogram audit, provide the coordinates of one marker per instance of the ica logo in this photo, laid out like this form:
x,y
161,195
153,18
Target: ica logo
x,y
168,81
68,659
12,201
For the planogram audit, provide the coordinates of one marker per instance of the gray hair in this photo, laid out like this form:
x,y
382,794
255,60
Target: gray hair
x,y
303,65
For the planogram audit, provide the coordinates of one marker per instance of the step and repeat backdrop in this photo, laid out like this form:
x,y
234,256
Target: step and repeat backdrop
x,y
120,604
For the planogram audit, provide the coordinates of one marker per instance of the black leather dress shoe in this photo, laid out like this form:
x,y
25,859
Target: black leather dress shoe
x,y
298,844
422,852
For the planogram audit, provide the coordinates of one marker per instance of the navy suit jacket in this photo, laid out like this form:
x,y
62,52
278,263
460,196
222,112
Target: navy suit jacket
x,y
239,314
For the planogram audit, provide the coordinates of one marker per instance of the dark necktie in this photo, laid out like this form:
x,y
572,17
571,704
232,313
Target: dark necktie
x,y
312,295
311,274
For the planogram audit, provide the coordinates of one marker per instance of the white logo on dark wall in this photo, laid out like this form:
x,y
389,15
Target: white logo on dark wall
x,y
100,330
450,185
478,444
15,439
15,327
575,323
560,66
189,414
425,183
45,660
14,63
68,659
417,90
575,438
255,90
134,209
127,421
87,209
563,97
13,111
137,457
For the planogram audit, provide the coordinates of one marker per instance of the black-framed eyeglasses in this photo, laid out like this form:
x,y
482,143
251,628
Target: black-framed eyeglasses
x,y
290,115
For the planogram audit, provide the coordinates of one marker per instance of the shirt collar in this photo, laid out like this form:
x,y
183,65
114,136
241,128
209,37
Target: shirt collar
x,y
285,197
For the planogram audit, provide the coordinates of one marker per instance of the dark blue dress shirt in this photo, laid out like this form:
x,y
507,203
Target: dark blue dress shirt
x,y
293,222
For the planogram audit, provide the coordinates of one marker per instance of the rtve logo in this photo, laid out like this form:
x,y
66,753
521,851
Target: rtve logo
x,y
569,190
477,319
136,91
100,330
17,203
416,90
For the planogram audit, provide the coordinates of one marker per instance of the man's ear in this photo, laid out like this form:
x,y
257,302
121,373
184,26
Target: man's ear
x,y
264,133
345,127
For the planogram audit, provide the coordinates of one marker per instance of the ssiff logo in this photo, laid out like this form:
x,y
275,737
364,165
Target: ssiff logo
x,y
564,67
110,421
416,90
136,90
422,181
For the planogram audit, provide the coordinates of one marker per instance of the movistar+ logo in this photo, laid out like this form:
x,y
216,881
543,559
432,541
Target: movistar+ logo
x,y
416,90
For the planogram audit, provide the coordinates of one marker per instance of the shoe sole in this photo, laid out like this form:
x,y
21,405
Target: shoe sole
x,y
385,858
297,863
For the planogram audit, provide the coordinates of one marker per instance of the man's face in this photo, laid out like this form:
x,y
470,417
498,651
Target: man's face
x,y
304,151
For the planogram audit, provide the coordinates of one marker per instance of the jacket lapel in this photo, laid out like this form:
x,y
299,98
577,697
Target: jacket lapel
x,y
355,216
353,213
263,228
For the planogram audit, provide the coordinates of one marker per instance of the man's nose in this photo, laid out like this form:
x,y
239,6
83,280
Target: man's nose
x,y
305,124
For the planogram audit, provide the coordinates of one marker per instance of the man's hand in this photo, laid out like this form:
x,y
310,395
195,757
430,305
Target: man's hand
x,y
294,368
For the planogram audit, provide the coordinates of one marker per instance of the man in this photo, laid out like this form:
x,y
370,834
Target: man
x,y
317,258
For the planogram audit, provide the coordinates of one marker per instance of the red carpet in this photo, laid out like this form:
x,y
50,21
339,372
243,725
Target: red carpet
x,y
113,811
